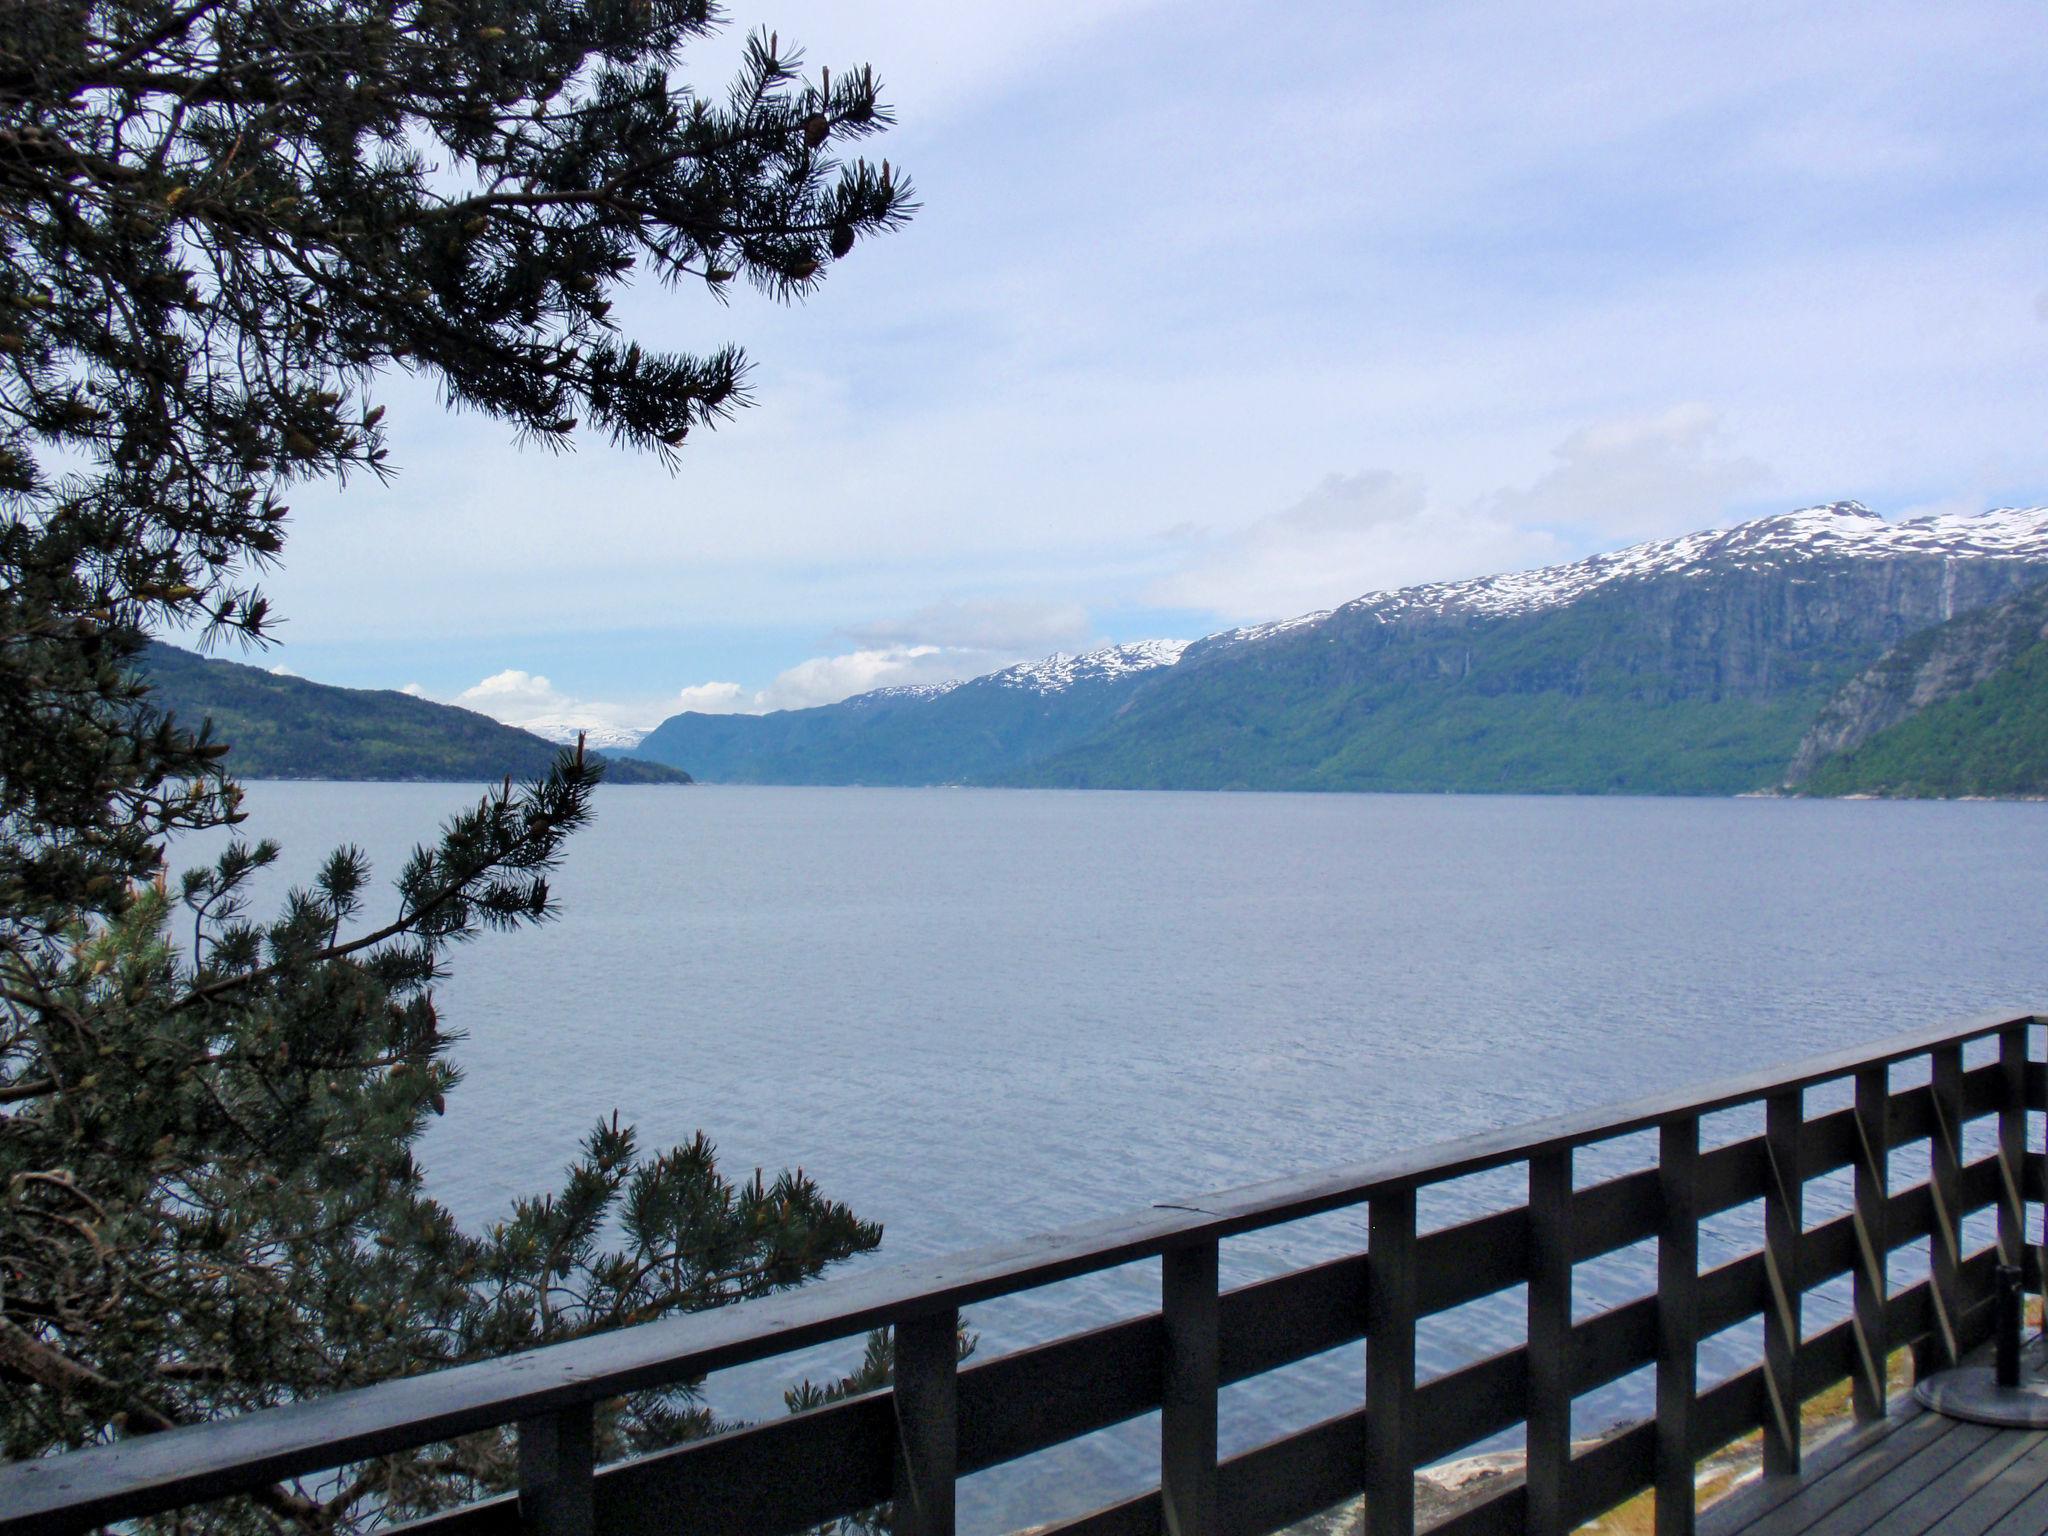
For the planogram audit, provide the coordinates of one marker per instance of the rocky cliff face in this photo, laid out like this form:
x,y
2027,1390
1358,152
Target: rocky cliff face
x,y
1714,632
1928,668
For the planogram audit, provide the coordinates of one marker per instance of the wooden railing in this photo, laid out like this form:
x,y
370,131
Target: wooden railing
x,y
942,1421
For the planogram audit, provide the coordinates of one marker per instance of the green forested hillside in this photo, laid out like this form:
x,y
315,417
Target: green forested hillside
x,y
1550,742
1991,739
288,728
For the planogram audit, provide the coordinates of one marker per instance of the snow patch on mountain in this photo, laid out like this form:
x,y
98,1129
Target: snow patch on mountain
x,y
1265,631
1051,674
599,738
1060,671
907,691
1842,529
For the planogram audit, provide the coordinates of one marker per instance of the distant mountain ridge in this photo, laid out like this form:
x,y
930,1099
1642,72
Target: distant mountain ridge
x,y
926,733
1685,665
1056,673
284,727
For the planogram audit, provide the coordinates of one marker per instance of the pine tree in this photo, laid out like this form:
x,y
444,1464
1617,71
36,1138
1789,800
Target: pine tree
x,y
221,221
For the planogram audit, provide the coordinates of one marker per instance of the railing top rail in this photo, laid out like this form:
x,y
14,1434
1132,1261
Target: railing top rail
x,y
203,1461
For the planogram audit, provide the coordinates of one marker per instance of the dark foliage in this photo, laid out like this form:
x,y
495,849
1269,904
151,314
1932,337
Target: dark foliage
x,y
220,220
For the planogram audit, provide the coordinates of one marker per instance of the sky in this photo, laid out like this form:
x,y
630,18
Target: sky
x,y
1216,314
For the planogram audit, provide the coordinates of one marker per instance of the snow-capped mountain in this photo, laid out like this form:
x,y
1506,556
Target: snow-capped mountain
x,y
599,738
1841,529
1059,671
1050,674
1686,665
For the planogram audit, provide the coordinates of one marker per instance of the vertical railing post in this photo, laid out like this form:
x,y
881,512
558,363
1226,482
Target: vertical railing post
x,y
1784,1221
1945,1242
1187,1422
2012,1145
1872,1278
1390,1365
1548,1412
927,1423
1678,1321
557,1457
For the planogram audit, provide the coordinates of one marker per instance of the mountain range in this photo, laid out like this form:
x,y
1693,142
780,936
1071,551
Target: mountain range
x,y
1707,664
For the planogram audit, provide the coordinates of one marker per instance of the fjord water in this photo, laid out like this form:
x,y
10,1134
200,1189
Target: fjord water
x,y
976,1015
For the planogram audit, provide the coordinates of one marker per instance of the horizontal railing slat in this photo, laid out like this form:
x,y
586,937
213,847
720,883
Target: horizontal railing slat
x,y
1500,1514
1466,1405
1276,1322
1912,1115
1454,1265
827,1463
1612,1472
1292,1478
1610,1344
1614,1213
1019,1403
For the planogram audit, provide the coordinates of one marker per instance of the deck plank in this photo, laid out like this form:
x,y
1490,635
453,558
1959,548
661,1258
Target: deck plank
x,y
1743,1508
1991,1503
1932,1508
1912,1474
1888,1473
2028,1518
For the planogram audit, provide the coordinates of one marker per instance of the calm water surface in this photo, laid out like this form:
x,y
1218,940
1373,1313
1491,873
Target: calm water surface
x,y
974,1015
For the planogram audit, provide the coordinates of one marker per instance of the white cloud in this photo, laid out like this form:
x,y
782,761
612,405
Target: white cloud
x,y
532,702
828,679
714,699
1020,627
414,690
937,643
512,696
1351,535
1624,479
1640,477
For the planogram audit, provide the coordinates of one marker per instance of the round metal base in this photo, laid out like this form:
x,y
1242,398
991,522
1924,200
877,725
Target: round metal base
x,y
1972,1392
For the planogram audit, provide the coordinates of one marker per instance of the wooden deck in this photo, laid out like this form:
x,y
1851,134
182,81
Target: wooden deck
x,y
1913,1474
